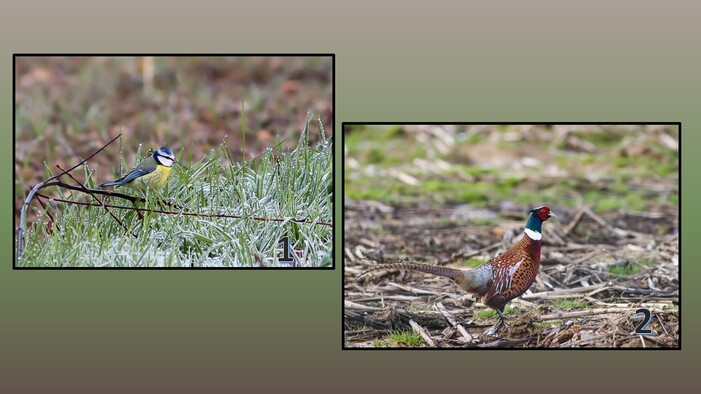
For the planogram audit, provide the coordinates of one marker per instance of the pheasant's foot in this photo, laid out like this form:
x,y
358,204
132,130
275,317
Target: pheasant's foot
x,y
492,331
500,325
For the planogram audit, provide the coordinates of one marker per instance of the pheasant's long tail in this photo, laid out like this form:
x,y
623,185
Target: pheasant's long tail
x,y
448,272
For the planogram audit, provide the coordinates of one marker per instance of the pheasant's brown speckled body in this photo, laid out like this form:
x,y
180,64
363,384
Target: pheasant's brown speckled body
x,y
514,272
500,279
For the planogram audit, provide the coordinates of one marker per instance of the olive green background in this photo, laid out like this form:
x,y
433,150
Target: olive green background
x,y
265,331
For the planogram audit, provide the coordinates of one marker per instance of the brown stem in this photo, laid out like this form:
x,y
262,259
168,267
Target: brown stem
x,y
53,181
86,190
203,215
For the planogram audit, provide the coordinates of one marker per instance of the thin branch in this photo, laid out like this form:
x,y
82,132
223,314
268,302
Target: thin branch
x,y
86,190
422,331
30,196
453,323
591,312
574,222
85,160
53,221
503,343
572,291
587,340
204,215
132,199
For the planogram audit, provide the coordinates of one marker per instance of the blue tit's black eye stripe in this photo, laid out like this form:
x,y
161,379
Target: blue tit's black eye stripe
x,y
157,157
166,154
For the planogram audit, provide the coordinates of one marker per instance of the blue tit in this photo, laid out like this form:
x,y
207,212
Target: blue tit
x,y
150,173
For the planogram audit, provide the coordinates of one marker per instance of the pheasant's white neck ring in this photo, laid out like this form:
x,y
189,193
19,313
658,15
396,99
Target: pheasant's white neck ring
x,y
534,235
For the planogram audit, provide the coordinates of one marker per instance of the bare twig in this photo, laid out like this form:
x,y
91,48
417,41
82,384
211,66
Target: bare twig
x,y
453,323
86,190
422,331
590,339
662,324
53,221
618,231
365,320
466,256
591,312
132,199
354,305
576,290
39,186
389,297
575,221
412,290
503,343
203,215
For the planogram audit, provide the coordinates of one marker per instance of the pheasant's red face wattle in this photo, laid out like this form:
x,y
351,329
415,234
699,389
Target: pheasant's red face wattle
x,y
544,213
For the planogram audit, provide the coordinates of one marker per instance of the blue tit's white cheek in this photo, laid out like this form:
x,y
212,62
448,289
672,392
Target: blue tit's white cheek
x,y
166,161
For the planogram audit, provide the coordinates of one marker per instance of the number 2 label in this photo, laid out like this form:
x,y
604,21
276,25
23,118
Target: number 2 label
x,y
642,329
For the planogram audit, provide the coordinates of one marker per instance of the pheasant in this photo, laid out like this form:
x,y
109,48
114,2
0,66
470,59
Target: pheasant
x,y
500,279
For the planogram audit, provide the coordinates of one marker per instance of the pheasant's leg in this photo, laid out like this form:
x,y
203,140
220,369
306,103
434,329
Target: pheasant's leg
x,y
500,324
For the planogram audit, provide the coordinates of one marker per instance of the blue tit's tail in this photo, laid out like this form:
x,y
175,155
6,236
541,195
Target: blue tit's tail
x,y
112,183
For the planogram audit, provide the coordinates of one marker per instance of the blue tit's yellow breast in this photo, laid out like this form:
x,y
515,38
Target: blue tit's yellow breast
x,y
155,179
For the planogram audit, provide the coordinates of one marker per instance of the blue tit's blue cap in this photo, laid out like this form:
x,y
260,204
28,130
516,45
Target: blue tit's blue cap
x,y
165,151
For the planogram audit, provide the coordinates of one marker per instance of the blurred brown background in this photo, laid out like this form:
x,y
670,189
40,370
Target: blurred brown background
x,y
68,107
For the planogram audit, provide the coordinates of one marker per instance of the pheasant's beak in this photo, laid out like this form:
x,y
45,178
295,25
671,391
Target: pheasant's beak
x,y
551,214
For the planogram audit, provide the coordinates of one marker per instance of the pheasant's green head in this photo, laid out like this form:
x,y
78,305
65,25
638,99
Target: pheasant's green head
x,y
535,221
